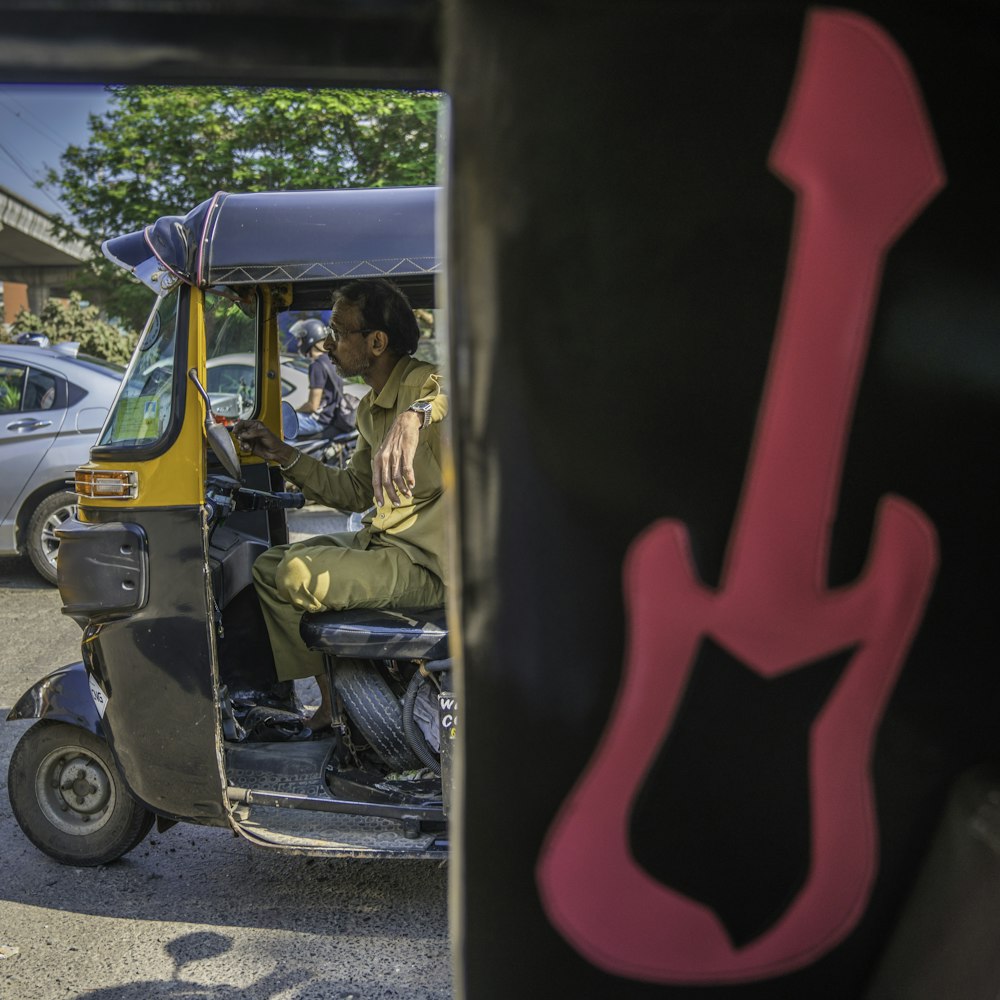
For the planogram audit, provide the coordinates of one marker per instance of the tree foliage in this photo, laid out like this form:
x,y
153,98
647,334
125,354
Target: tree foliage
x,y
161,150
61,321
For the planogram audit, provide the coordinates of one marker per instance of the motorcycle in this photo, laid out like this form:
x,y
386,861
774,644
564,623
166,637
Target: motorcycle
x,y
173,713
333,448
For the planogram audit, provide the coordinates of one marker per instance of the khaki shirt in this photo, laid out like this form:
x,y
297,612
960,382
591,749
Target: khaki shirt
x,y
417,526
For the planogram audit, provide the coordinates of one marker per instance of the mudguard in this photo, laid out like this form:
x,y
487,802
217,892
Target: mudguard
x,y
63,695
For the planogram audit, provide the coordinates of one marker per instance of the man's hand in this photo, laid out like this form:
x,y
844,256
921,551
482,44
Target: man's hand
x,y
255,437
392,464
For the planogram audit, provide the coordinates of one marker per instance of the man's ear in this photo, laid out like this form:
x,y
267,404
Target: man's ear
x,y
379,342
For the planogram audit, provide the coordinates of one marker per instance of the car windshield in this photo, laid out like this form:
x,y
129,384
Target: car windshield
x,y
141,414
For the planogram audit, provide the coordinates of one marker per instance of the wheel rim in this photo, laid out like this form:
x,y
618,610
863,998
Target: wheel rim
x,y
48,540
75,791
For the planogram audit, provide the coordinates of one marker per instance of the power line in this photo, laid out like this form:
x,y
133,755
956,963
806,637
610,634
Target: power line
x,y
24,170
50,135
63,140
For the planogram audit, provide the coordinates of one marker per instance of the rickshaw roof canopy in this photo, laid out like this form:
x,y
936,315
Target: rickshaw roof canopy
x,y
313,237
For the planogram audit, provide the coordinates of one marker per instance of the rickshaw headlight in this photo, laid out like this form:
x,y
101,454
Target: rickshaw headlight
x,y
106,484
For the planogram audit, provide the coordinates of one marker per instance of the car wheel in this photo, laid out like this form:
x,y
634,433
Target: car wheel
x,y
42,543
68,798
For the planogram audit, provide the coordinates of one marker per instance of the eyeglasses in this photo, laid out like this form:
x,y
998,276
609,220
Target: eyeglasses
x,y
336,334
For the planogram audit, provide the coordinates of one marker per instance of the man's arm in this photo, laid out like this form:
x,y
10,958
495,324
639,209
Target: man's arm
x,y
392,464
317,382
347,489
314,403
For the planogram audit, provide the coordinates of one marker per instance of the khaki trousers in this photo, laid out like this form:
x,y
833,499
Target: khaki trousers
x,y
331,573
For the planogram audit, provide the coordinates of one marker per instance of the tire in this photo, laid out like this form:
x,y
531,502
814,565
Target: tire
x,y
41,543
376,712
68,798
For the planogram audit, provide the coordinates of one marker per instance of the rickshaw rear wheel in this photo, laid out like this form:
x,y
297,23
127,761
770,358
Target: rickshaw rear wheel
x,y
68,798
375,710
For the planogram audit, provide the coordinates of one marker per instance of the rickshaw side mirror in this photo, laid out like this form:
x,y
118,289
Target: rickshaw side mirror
x,y
289,421
225,451
218,437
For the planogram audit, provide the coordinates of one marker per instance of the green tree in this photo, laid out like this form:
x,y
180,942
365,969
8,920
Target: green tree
x,y
61,321
162,150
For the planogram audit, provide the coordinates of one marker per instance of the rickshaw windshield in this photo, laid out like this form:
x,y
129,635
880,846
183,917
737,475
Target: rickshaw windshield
x,y
141,414
231,346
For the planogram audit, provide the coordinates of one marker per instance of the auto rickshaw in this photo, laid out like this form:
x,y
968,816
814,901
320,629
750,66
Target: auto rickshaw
x,y
174,712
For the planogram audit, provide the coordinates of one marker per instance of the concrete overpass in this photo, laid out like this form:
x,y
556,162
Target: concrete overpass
x,y
31,252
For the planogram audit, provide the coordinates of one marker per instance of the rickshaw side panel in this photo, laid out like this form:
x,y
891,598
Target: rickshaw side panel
x,y
103,569
154,667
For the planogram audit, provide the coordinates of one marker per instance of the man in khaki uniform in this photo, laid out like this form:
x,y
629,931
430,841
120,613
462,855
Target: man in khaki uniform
x,y
397,558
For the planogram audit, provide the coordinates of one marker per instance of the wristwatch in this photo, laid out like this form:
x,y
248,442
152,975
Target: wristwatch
x,y
423,409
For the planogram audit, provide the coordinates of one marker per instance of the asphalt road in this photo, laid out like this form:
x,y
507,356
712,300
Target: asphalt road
x,y
198,912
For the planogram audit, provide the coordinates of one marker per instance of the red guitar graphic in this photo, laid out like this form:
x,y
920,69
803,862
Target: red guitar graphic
x,y
859,152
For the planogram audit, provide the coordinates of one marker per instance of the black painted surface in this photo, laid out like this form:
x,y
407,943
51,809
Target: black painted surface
x,y
731,782
62,696
618,251
155,667
375,44
103,570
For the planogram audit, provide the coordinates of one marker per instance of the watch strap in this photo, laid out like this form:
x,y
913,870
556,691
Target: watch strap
x,y
423,409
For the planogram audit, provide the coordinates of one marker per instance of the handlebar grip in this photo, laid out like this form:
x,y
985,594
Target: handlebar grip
x,y
290,501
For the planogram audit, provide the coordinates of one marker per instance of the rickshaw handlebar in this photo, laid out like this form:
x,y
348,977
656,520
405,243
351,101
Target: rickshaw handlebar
x,y
247,499
225,495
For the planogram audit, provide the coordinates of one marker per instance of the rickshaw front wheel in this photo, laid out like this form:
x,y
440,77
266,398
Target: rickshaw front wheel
x,y
68,798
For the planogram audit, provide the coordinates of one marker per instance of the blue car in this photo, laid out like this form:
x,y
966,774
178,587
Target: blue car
x,y
53,404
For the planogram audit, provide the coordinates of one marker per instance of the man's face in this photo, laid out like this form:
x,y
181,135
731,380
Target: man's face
x,y
349,347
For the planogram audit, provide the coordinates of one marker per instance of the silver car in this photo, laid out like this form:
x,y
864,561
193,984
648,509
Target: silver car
x,y
52,407
231,378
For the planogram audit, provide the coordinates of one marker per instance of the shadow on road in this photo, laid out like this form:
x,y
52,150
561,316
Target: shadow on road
x,y
17,573
203,947
199,947
203,875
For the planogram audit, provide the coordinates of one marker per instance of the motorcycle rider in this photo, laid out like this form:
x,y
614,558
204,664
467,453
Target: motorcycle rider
x,y
397,559
326,406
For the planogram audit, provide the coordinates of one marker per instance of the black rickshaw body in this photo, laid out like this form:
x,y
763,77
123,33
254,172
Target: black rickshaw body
x,y
158,581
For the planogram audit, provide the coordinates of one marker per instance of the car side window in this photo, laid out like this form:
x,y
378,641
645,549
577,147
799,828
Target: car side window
x,y
230,378
40,391
11,388
231,388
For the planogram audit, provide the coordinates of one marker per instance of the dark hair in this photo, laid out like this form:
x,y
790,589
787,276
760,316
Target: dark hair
x,y
383,306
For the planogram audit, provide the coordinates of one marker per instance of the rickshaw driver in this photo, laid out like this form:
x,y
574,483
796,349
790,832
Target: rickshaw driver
x,y
397,558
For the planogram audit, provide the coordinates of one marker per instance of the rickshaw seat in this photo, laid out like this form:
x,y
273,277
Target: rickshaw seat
x,y
381,635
